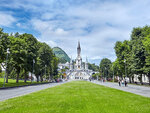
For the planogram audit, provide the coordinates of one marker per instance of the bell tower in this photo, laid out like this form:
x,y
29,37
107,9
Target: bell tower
x,y
78,59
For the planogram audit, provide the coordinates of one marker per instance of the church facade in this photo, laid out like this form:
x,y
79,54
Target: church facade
x,y
79,69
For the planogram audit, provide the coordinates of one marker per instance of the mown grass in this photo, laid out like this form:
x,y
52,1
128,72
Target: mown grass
x,y
12,83
77,97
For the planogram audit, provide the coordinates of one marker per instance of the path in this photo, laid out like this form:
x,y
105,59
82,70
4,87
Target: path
x,y
139,90
15,92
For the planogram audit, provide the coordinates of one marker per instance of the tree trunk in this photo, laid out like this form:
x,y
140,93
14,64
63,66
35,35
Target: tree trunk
x,y
6,76
37,77
149,78
17,78
25,78
130,79
133,79
41,78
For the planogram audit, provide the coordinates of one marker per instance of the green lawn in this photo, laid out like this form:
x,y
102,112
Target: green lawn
x,y
12,83
77,97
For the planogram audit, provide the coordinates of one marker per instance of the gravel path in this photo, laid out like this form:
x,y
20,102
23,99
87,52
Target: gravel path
x,y
15,92
139,90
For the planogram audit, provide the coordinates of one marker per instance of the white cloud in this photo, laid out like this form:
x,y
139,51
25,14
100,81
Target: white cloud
x,y
98,25
109,22
6,19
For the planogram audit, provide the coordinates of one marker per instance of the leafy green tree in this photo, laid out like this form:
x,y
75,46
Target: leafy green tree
x,y
45,55
138,50
4,45
146,44
95,75
93,67
105,68
18,55
32,52
55,62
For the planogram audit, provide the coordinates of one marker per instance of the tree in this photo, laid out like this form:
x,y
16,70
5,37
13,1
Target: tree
x,y
146,43
32,51
45,56
55,66
93,67
138,50
105,66
18,55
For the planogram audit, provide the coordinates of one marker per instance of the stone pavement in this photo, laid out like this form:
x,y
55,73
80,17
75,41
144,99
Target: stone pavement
x,y
139,90
15,92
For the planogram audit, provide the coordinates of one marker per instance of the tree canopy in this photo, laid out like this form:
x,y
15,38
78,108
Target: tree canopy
x,y
26,54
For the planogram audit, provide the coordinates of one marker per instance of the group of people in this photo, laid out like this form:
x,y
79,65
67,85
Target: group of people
x,y
122,82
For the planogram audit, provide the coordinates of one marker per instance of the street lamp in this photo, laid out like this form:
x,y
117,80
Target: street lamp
x,y
6,66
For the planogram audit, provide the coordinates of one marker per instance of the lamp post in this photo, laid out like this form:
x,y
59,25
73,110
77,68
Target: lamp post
x,y
6,66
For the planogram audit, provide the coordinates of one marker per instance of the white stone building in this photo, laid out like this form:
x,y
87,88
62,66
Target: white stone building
x,y
79,70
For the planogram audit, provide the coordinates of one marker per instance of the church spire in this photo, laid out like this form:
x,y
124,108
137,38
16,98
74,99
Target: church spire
x,y
78,49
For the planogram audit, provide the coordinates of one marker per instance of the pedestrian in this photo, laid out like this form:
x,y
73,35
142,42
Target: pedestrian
x,y
122,82
119,82
125,83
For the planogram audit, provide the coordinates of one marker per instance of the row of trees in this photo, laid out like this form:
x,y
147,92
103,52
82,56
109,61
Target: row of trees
x,y
23,53
93,67
133,56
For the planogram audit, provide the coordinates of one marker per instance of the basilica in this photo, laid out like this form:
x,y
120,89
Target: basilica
x,y
79,69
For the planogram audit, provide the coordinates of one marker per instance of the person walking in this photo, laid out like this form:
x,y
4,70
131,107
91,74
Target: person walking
x,y
119,82
125,83
122,82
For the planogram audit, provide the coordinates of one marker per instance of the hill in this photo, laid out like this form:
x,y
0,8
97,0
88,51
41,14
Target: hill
x,y
61,54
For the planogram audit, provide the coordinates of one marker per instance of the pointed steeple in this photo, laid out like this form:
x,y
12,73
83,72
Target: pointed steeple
x,y
79,45
78,49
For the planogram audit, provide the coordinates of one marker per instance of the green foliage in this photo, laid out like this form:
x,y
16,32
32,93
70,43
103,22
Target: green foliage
x,y
61,55
134,55
123,53
0,69
26,54
105,68
146,43
94,76
93,67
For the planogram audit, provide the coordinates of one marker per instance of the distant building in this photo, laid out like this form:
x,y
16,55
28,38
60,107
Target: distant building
x,y
144,78
79,70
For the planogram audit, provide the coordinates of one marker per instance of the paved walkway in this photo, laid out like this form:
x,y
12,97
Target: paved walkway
x,y
139,90
15,92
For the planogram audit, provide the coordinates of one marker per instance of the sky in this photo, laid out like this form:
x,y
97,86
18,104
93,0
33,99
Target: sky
x,y
97,24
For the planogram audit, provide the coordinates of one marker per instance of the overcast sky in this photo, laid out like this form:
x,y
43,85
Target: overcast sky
x,y
97,24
